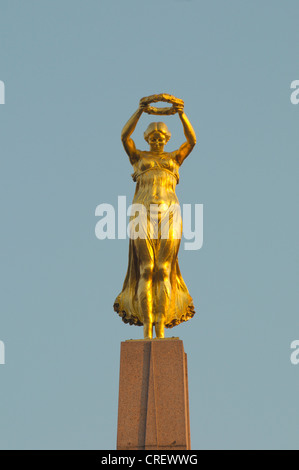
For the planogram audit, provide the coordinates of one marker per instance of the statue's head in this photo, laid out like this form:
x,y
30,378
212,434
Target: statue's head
x,y
157,135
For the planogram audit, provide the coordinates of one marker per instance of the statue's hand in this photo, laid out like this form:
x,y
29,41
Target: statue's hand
x,y
142,106
179,108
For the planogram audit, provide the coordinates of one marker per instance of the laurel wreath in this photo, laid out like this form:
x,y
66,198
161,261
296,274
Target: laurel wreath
x,y
164,97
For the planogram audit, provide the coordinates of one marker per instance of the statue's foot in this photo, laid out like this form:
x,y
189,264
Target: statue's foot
x,y
147,331
159,329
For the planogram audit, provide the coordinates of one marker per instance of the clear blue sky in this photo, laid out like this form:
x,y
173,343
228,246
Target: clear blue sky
x,y
74,72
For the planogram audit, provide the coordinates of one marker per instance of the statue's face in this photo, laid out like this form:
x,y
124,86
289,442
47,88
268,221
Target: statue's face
x,y
157,141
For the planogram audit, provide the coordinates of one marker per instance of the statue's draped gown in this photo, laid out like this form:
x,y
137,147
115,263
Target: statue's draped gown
x,y
156,176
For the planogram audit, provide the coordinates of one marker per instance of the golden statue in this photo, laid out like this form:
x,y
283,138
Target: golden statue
x,y
154,292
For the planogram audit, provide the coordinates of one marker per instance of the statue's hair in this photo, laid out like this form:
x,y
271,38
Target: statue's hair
x,y
157,127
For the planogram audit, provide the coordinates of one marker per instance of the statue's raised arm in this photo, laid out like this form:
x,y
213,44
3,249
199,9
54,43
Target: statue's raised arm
x,y
128,130
187,147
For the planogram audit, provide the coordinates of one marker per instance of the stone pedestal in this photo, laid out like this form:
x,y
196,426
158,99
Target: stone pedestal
x,y
153,407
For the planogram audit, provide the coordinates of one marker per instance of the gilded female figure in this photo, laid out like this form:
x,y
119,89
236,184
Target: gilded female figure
x,y
154,293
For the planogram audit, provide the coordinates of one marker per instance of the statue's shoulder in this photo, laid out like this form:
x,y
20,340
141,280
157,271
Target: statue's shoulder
x,y
173,155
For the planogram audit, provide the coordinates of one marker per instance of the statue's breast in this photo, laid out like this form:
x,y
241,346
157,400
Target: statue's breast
x,y
149,160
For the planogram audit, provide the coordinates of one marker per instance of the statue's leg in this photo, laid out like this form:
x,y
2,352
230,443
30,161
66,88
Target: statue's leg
x,y
144,292
167,255
159,326
148,330
145,299
163,295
